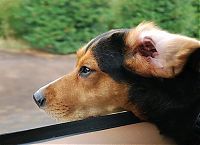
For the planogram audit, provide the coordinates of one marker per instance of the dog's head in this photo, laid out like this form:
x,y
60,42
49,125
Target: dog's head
x,y
105,71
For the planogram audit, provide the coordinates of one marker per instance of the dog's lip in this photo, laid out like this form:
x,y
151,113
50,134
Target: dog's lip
x,y
43,107
90,117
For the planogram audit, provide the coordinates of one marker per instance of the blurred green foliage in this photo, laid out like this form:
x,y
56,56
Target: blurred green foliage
x,y
62,26
174,15
7,9
59,26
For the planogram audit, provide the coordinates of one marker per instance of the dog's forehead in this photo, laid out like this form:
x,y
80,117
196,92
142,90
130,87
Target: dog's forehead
x,y
103,36
95,41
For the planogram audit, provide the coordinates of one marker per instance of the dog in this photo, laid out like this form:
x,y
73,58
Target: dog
x,y
146,70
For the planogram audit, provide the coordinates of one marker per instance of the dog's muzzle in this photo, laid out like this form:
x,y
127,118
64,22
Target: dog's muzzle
x,y
39,98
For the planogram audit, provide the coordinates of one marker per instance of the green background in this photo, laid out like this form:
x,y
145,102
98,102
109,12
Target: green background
x,y
62,26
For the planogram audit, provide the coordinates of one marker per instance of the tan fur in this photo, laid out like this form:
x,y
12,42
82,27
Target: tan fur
x,y
73,98
174,52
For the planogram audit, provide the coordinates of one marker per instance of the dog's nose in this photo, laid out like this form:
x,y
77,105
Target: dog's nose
x,y
39,99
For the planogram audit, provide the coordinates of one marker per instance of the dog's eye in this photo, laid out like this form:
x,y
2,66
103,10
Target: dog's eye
x,y
84,71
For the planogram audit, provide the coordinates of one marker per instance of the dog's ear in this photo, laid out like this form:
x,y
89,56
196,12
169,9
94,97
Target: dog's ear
x,y
151,51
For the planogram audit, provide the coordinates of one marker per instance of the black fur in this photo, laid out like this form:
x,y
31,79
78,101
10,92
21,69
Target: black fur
x,y
172,104
110,55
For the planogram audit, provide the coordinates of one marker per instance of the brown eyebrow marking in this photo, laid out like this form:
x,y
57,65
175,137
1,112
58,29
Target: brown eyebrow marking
x,y
80,53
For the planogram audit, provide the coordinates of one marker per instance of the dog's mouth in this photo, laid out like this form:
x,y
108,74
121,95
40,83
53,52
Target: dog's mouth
x,y
67,116
58,114
65,113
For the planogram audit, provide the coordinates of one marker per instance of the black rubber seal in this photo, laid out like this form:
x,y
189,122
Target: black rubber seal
x,y
70,128
197,125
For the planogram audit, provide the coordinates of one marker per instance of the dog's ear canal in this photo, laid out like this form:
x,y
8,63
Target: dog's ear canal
x,y
147,48
151,51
